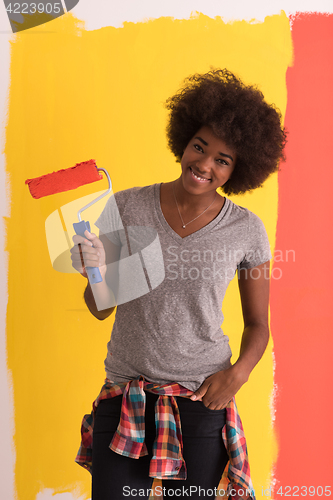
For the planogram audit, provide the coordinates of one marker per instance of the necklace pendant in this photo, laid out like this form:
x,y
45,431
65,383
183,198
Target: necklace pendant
x,y
195,218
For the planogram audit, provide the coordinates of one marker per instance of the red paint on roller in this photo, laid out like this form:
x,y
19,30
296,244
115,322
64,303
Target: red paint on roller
x,y
64,180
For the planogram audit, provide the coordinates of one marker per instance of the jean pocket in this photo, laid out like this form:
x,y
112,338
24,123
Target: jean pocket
x,y
217,412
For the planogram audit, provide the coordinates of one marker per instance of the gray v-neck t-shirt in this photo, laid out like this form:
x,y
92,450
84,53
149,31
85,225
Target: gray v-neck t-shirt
x,y
168,320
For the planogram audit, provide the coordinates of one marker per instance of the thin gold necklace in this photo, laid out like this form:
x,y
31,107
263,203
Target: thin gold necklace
x,y
195,218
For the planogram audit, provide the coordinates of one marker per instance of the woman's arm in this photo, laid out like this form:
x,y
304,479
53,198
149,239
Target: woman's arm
x,y
219,388
97,252
254,292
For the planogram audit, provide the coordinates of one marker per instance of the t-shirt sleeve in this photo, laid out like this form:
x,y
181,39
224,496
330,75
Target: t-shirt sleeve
x,y
257,245
109,222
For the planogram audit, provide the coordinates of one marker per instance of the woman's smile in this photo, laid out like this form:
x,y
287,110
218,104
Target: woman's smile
x,y
198,177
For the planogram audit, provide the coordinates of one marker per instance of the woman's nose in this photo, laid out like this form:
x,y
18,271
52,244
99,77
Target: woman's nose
x,y
204,164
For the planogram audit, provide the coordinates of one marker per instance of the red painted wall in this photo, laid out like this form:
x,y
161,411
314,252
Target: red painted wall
x,y
302,300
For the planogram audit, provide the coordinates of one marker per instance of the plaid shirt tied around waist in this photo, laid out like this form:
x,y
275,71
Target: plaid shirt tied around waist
x,y
167,461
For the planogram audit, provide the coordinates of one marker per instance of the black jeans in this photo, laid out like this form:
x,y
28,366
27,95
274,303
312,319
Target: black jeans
x,y
116,477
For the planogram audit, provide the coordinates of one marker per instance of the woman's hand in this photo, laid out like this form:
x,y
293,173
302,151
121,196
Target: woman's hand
x,y
218,389
88,252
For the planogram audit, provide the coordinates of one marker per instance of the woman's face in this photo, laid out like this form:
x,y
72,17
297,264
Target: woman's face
x,y
207,162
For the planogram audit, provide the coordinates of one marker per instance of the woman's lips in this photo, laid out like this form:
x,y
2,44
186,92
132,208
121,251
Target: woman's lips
x,y
198,177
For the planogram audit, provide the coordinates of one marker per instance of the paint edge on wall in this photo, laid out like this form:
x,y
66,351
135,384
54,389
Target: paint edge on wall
x,y
49,494
133,11
293,16
7,478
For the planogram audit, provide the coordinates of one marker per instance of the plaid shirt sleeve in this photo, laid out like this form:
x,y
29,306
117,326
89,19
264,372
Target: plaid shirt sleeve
x,y
167,461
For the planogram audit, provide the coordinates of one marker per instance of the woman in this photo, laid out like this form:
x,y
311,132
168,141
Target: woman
x,y
167,345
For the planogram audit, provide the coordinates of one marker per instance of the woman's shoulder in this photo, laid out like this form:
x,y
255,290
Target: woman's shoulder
x,y
136,191
132,200
135,198
240,212
251,227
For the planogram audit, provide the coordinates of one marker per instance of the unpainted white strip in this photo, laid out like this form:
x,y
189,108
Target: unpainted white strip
x,y
101,13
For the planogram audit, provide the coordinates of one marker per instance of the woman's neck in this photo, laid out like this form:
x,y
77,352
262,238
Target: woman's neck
x,y
192,202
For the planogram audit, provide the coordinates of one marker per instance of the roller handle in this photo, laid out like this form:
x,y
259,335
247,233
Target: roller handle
x,y
93,273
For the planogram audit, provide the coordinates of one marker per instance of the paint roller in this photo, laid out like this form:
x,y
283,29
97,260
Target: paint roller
x,y
66,180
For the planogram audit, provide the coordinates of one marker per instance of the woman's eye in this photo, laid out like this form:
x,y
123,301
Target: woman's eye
x,y
222,162
198,147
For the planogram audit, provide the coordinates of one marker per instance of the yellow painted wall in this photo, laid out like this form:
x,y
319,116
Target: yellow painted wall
x,y
76,95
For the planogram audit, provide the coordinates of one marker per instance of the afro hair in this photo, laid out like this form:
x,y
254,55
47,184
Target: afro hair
x,y
238,114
